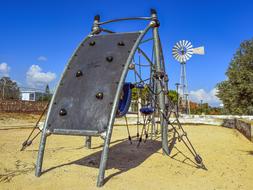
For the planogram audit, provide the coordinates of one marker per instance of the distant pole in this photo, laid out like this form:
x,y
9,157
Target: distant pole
x,y
187,103
88,142
177,86
4,88
201,102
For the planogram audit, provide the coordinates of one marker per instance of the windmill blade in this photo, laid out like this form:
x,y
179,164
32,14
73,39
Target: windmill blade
x,y
177,57
178,45
188,45
181,59
175,53
189,55
181,43
185,58
199,50
175,49
184,43
189,52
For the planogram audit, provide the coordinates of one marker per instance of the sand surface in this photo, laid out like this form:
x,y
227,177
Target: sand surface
x,y
227,155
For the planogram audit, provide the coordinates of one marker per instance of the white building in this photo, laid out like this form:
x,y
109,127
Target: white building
x,y
31,95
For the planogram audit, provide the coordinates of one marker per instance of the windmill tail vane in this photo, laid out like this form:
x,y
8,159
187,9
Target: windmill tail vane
x,y
199,50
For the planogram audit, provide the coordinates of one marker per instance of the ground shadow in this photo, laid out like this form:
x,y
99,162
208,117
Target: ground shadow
x,y
249,152
186,159
122,156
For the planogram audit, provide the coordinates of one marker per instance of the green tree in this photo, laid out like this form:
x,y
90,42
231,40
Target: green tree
x,y
46,96
172,94
237,91
143,93
8,89
47,90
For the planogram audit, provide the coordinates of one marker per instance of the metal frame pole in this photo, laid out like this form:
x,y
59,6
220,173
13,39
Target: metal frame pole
x,y
177,85
104,155
161,96
41,153
152,82
45,131
87,143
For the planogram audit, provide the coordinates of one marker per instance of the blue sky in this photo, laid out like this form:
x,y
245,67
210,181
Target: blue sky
x,y
38,37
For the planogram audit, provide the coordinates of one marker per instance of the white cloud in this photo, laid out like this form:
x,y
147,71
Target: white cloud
x,y
36,78
42,58
4,69
207,97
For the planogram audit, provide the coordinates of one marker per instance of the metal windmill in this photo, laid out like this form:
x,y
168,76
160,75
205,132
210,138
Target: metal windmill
x,y
182,52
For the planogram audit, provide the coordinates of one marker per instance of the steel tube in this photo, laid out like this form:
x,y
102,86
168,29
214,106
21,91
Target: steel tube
x,y
104,155
44,132
161,96
123,19
88,142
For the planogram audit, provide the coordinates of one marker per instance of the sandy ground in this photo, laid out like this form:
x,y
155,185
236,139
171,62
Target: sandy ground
x,y
227,155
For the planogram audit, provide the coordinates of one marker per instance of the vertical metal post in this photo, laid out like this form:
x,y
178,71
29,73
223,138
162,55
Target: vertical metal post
x,y
104,155
188,109
87,142
177,85
45,128
3,88
152,82
201,106
41,151
161,96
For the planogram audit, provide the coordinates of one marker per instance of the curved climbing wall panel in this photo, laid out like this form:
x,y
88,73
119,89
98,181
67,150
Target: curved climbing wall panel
x,y
83,101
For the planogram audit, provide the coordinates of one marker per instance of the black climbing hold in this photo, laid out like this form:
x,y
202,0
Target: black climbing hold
x,y
109,58
100,95
198,159
92,43
138,135
121,43
62,112
79,73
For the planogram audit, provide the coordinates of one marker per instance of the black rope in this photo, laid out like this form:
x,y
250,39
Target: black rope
x,y
190,148
28,142
128,132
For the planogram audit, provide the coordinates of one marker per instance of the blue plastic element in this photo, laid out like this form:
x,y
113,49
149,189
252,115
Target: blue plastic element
x,y
147,110
139,85
125,101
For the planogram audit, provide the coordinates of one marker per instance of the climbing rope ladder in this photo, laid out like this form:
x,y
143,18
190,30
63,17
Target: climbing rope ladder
x,y
149,109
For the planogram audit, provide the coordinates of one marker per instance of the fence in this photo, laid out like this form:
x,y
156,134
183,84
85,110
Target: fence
x,y
19,106
243,127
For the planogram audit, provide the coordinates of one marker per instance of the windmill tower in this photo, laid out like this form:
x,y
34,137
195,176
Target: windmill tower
x,y
182,52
